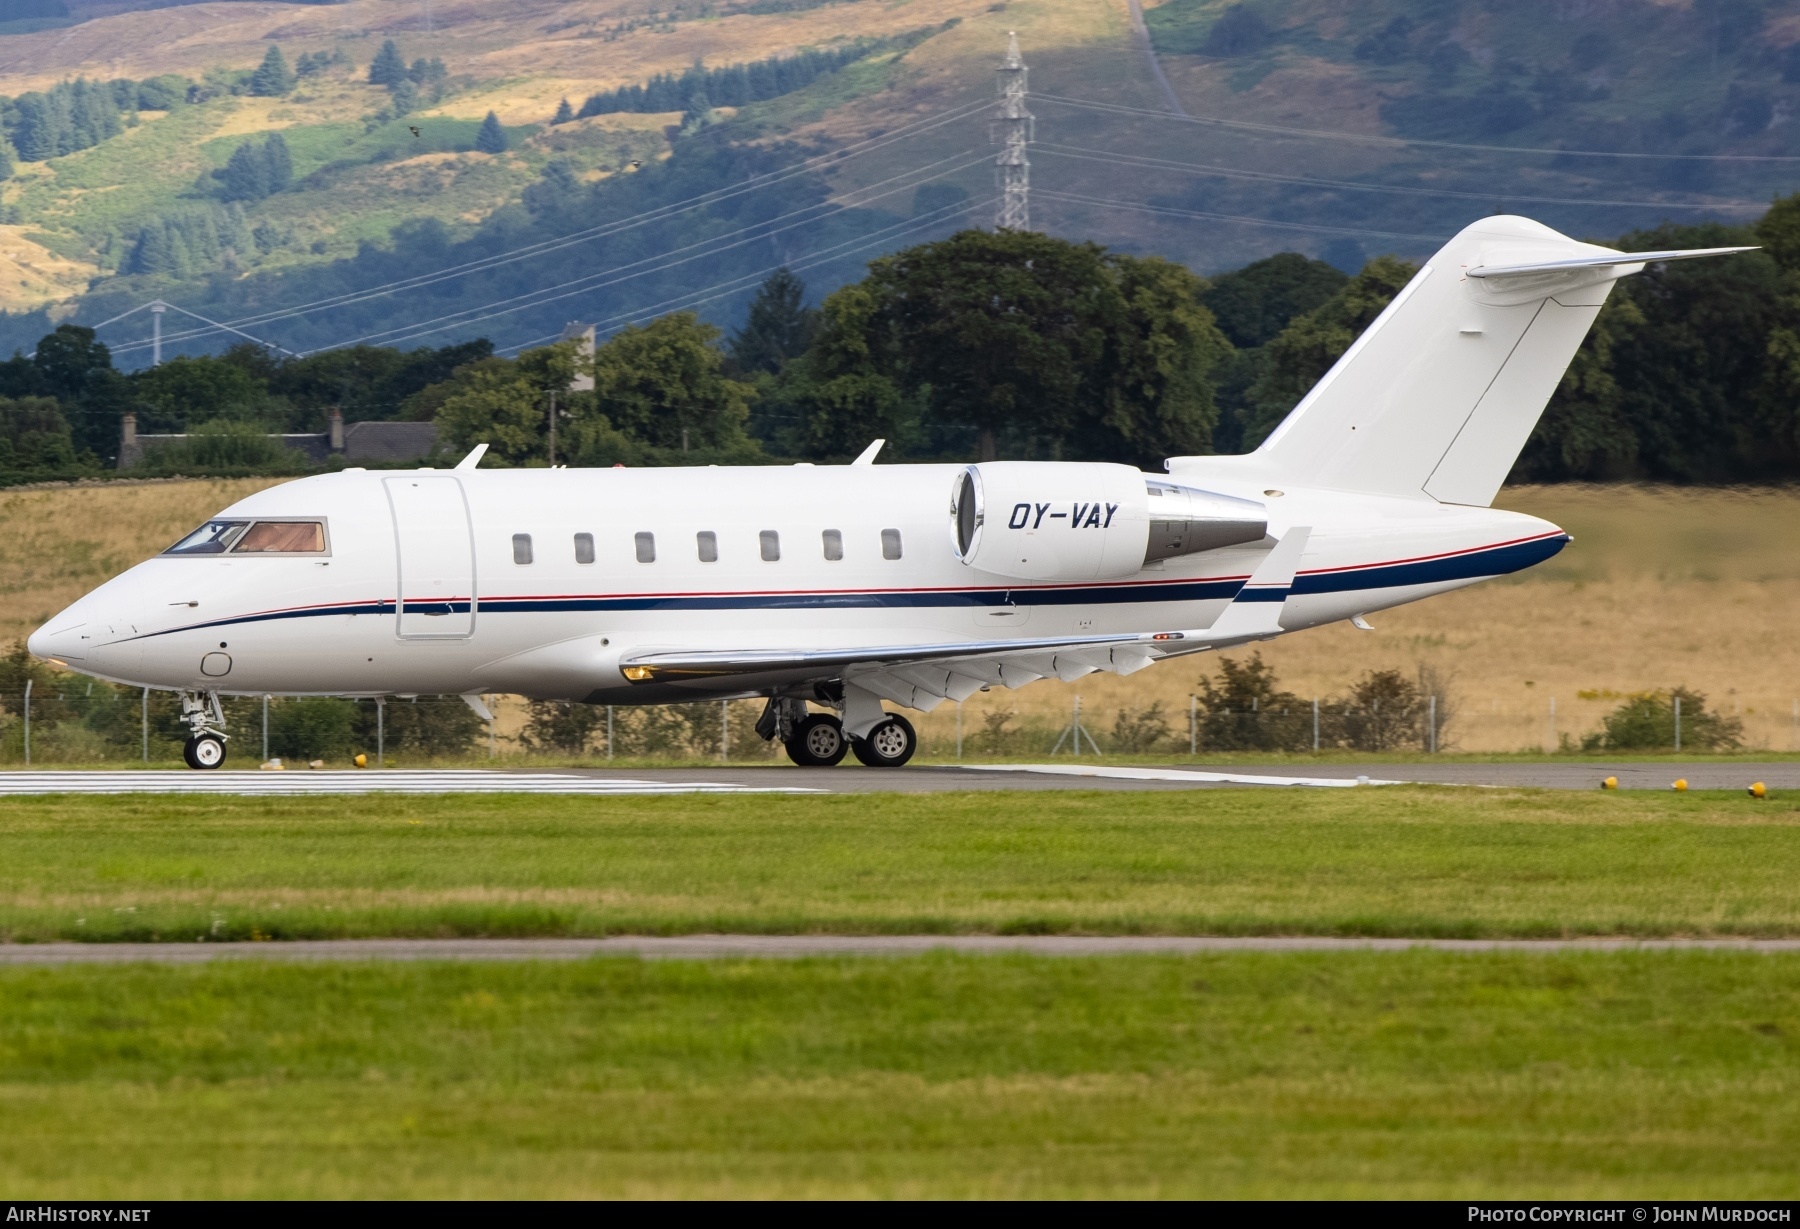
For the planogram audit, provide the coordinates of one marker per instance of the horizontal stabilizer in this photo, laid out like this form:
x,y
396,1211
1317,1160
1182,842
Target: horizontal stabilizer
x,y
1600,261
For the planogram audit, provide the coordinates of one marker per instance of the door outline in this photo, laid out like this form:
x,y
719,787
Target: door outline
x,y
462,495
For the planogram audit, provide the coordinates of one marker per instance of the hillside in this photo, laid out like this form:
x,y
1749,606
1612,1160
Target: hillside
x,y
1112,163
1662,587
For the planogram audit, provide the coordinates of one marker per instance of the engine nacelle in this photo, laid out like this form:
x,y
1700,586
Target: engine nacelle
x,y
1074,521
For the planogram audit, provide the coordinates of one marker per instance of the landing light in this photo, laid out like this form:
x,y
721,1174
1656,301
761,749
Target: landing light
x,y
637,674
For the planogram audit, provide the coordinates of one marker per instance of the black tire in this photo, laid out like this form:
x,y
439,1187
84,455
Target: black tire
x,y
818,742
889,745
204,751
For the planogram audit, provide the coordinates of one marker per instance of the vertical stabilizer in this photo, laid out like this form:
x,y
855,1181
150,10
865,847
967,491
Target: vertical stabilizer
x,y
1438,396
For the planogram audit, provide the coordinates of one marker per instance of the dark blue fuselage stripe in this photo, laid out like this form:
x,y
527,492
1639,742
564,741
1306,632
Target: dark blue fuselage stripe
x,y
1473,565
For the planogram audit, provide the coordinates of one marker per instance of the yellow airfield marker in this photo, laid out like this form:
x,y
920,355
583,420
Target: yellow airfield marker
x,y
1758,790
1680,785
1610,783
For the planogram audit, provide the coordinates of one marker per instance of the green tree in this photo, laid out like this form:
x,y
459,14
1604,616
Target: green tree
x,y
312,728
433,727
1383,712
1253,304
558,727
278,163
1015,337
69,362
492,137
6,160
405,98
564,113
195,389
494,402
779,325
1156,383
1585,432
245,175
387,68
35,437
661,397
271,78
1305,350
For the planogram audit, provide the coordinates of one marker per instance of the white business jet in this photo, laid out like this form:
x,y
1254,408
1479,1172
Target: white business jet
x,y
831,590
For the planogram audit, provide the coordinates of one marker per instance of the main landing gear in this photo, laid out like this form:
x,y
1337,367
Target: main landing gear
x,y
205,747
818,740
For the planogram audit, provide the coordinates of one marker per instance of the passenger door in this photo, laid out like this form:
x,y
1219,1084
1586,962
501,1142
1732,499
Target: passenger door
x,y
434,542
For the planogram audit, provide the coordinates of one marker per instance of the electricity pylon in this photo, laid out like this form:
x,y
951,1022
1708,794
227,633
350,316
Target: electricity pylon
x,y
1013,129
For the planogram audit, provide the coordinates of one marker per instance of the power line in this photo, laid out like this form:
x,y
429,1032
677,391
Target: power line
x,y
811,260
1373,139
653,264
882,140
411,332
1193,168
541,296
1170,211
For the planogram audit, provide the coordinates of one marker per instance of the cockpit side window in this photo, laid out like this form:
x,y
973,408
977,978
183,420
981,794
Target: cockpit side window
x,y
282,538
212,538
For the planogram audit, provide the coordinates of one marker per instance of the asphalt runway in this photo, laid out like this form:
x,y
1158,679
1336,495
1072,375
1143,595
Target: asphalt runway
x,y
794,947
851,778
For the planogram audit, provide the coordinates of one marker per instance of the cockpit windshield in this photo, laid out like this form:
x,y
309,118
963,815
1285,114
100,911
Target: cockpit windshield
x,y
212,538
254,538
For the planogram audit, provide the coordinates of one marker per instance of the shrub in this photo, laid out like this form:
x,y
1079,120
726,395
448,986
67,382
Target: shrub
x,y
312,728
1137,730
1383,711
1646,722
562,727
441,727
1244,711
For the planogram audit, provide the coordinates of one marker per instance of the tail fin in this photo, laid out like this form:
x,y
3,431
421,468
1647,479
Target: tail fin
x,y
1440,393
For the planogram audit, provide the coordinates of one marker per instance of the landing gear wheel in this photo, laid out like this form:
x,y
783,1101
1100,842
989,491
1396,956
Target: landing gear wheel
x,y
817,742
888,745
204,751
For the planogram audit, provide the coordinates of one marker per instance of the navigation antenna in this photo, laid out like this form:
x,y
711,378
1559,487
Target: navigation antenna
x,y
1012,128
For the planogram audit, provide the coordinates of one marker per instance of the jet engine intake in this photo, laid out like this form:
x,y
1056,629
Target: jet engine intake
x,y
1077,521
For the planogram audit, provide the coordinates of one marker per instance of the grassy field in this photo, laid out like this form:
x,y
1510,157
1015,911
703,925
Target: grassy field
x,y
1396,861
1395,1075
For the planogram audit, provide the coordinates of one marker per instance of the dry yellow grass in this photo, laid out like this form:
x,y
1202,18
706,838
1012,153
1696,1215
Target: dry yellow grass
x,y
1662,586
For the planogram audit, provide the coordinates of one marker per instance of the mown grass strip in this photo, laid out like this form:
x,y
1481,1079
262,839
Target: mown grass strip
x,y
1403,862
1415,1074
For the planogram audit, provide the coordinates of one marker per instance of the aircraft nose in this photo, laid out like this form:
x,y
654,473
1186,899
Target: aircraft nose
x,y
61,639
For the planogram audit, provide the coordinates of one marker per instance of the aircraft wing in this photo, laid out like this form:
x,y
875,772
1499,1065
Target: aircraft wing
x,y
924,675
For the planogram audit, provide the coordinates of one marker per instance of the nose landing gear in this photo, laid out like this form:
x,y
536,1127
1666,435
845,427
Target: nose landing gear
x,y
205,747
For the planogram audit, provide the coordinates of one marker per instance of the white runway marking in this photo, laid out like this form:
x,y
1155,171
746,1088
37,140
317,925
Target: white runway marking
x,y
378,781
1177,774
794,947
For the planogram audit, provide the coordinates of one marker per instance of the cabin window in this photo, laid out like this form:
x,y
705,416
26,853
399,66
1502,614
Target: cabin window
x,y
212,538
646,547
771,545
708,544
282,538
521,548
890,544
584,548
834,545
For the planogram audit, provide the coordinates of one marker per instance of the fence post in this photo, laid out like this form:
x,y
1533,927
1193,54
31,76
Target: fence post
x,y
144,722
265,729
493,739
724,730
609,745
1432,718
1552,746
380,732
28,723
1193,725
1315,725
1678,725
959,705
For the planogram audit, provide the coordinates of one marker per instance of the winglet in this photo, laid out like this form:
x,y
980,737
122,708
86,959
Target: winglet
x,y
474,457
1256,610
867,455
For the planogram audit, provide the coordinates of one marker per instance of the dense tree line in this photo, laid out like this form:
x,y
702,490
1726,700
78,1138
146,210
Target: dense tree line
x,y
735,85
61,407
